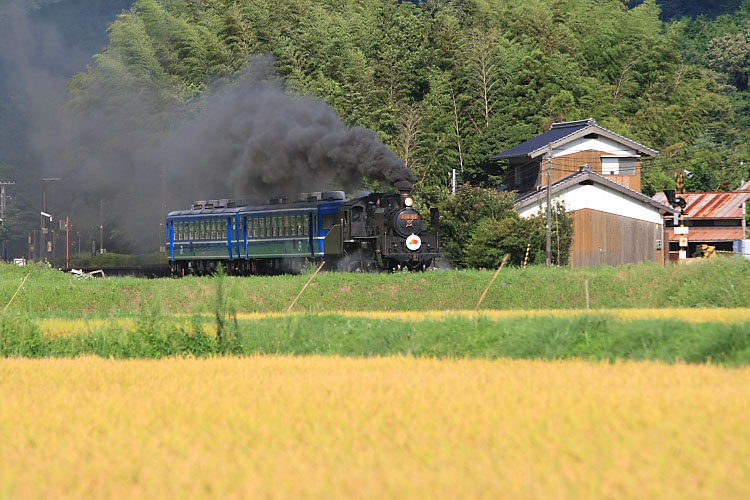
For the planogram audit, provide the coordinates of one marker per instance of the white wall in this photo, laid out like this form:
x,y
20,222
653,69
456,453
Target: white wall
x,y
596,197
601,144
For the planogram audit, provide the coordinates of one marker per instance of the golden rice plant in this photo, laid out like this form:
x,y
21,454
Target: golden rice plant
x,y
320,427
54,327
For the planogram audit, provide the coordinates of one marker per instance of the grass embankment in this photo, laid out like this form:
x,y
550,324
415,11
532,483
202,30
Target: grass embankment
x,y
318,427
713,283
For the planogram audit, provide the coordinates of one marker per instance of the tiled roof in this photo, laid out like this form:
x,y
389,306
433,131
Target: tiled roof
x,y
588,174
713,205
557,135
554,134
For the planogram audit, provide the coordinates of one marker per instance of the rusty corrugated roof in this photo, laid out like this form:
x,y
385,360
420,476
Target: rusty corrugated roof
x,y
713,205
708,234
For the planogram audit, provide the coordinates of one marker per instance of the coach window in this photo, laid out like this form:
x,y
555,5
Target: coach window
x,y
287,226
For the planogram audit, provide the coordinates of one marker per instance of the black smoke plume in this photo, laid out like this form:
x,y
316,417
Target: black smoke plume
x,y
256,138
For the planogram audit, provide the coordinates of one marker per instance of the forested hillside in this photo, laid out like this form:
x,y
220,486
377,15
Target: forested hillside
x,y
445,83
448,83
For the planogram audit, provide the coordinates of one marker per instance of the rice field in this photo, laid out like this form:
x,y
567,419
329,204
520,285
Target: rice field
x,y
392,427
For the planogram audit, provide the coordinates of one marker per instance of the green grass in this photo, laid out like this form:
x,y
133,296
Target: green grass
x,y
589,337
713,283
153,303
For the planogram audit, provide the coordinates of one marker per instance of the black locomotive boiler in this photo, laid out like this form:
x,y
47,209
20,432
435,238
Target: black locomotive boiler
x,y
376,231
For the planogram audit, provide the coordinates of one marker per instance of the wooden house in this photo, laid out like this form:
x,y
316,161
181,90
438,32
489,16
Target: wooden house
x,y
612,224
572,145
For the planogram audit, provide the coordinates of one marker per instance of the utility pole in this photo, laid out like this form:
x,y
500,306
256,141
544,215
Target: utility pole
x,y
67,242
3,202
101,225
42,215
744,210
549,206
51,229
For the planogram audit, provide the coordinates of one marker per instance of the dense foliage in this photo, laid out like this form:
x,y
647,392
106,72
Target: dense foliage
x,y
478,226
447,83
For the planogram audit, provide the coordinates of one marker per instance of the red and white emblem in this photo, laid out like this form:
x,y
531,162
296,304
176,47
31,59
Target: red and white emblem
x,y
413,242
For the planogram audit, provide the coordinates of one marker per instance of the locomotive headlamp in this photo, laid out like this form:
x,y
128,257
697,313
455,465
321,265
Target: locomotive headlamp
x,y
408,201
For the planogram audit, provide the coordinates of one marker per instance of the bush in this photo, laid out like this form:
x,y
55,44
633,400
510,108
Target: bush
x,y
479,226
460,215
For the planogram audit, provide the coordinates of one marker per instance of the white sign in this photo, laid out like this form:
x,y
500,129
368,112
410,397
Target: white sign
x,y
413,242
681,230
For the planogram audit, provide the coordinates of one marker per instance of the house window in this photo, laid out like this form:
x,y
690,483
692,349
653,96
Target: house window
x,y
517,176
619,166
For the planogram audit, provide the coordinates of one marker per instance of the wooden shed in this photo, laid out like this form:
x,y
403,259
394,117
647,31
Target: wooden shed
x,y
715,219
612,224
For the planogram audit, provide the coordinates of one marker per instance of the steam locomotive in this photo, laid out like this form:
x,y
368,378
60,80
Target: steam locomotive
x,y
373,232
